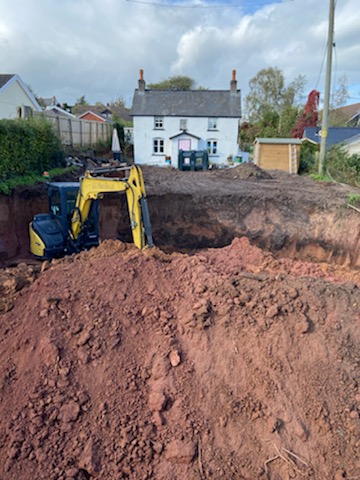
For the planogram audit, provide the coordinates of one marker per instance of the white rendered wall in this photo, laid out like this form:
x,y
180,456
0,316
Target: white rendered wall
x,y
11,98
144,134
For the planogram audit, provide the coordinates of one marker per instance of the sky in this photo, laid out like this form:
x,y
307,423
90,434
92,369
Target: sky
x,y
71,48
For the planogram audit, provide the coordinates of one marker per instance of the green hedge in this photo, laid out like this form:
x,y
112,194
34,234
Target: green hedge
x,y
27,147
342,166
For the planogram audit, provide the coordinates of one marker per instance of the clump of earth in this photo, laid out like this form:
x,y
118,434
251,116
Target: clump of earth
x,y
224,364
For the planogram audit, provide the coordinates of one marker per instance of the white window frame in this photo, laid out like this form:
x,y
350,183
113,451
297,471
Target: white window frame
x,y
158,123
158,146
212,146
212,123
183,124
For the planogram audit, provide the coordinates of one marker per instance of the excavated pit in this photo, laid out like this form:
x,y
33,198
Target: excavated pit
x,y
289,216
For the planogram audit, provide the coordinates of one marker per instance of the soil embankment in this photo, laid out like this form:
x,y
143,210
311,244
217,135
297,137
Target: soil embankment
x,y
290,216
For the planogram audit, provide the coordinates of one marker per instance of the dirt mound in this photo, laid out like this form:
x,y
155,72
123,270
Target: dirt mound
x,y
244,171
120,364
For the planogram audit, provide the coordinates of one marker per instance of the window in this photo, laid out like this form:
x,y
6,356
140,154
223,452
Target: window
x,y
183,124
158,146
212,147
212,123
158,122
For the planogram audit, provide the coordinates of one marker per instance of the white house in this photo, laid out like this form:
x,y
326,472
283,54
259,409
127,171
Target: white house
x,y
16,98
166,121
352,145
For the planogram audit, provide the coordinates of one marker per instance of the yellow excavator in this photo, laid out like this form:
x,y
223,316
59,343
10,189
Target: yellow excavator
x,y
72,223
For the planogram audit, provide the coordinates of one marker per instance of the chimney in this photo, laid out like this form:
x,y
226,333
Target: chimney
x,y
233,83
141,81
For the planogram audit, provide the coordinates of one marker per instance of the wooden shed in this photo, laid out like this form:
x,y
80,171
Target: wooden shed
x,y
277,154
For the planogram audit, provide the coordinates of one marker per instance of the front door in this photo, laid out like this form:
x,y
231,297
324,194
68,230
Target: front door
x,y
185,144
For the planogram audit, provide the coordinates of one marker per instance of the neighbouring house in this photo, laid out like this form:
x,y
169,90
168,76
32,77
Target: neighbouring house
x,y
16,99
58,111
93,116
336,135
352,145
102,113
50,102
167,121
277,154
348,115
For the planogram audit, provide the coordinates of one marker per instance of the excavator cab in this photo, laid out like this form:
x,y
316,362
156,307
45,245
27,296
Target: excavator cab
x,y
62,200
72,223
53,228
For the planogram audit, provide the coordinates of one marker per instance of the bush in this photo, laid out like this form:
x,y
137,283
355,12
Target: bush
x,y
342,166
27,147
308,158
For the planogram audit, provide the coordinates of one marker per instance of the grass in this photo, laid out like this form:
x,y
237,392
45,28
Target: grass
x,y
353,199
7,186
320,178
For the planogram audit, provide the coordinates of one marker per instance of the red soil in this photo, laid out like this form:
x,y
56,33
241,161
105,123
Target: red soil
x,y
227,364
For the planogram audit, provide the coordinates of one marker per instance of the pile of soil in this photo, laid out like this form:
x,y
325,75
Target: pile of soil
x,y
244,171
226,364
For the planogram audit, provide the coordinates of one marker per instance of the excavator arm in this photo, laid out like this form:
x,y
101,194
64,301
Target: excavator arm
x,y
92,188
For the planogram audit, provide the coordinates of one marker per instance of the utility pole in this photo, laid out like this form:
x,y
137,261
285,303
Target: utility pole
x,y
325,116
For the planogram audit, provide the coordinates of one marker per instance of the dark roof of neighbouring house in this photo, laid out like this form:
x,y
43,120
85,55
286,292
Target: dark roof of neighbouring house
x,y
49,102
335,136
187,103
348,111
4,78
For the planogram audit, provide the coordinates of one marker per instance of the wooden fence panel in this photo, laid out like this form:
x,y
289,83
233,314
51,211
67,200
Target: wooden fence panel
x,y
79,133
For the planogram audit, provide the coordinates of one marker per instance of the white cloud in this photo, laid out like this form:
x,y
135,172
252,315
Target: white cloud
x,y
96,47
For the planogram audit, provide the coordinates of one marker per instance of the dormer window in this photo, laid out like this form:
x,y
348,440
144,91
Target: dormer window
x,y
212,124
158,122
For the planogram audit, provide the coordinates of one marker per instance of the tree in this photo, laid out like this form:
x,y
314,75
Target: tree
x,y
339,97
118,102
268,93
309,116
81,101
173,83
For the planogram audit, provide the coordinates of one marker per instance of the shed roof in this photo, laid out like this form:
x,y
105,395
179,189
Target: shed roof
x,y
279,141
187,103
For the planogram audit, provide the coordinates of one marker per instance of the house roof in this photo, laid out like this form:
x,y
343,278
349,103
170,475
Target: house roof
x,y
49,102
354,139
6,80
335,134
279,141
100,117
187,103
54,109
103,110
348,111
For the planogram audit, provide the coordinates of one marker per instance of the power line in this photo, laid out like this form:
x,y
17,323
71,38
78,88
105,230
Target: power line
x,y
204,6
